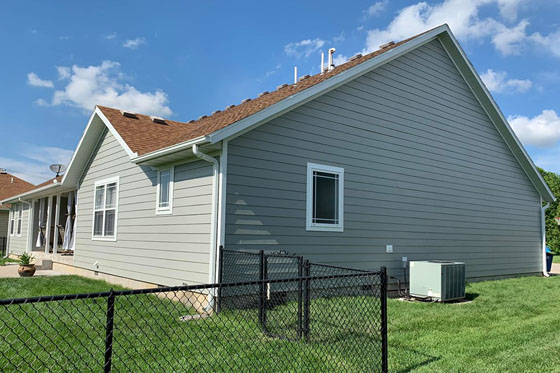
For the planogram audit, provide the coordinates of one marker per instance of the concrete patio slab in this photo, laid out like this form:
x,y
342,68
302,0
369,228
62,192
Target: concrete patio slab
x,y
10,270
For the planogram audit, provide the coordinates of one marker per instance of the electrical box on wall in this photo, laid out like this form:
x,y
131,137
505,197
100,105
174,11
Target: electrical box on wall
x,y
388,249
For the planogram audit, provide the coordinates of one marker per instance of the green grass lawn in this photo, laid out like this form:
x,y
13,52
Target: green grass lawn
x,y
510,326
556,259
3,261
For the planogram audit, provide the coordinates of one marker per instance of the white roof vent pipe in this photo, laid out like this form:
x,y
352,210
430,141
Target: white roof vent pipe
x,y
295,75
322,62
331,63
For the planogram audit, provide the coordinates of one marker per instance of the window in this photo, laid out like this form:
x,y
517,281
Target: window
x,y
19,210
325,198
105,208
12,220
164,203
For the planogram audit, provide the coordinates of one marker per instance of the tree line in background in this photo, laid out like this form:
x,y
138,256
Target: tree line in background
x,y
552,229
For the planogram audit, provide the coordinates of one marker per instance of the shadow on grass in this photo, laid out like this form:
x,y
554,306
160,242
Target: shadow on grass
x,y
414,359
471,296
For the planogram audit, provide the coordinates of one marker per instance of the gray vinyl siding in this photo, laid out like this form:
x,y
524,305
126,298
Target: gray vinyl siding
x,y
17,244
425,171
4,219
162,249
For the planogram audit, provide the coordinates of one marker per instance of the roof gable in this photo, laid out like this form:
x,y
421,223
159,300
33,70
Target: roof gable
x,y
144,139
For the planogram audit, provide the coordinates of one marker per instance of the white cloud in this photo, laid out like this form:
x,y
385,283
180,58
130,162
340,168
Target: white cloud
x,y
542,130
63,72
35,81
463,18
550,42
134,43
497,81
376,8
102,85
111,36
508,8
304,48
33,164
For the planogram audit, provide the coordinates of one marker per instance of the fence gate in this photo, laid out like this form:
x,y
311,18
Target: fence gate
x,y
299,300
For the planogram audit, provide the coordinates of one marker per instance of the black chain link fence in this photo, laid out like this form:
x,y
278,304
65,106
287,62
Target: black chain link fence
x,y
313,319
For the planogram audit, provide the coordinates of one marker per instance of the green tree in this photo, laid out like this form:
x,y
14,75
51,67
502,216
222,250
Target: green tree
x,y
552,229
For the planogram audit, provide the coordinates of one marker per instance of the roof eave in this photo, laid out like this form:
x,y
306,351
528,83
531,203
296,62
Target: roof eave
x,y
169,150
289,103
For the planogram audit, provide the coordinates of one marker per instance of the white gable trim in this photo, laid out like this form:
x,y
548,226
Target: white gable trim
x,y
300,98
75,167
495,114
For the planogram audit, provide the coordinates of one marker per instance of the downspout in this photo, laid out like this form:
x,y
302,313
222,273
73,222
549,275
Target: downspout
x,y
214,224
543,235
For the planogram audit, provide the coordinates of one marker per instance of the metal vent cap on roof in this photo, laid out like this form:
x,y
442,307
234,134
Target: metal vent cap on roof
x,y
3,171
158,120
128,114
387,45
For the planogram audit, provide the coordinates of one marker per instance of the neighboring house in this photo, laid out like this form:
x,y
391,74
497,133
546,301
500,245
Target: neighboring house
x,y
398,153
11,185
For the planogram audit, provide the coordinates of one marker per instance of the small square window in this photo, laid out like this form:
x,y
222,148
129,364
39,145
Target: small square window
x,y
325,198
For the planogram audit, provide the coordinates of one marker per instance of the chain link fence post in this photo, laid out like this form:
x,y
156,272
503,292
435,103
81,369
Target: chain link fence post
x,y
307,301
109,331
383,295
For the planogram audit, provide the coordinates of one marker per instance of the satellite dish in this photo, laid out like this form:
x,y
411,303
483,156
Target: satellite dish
x,y
57,168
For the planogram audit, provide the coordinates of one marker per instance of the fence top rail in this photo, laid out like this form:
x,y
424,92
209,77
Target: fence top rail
x,y
339,267
49,298
272,253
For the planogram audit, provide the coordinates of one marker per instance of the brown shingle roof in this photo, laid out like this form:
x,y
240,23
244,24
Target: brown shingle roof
x,y
143,136
48,182
11,185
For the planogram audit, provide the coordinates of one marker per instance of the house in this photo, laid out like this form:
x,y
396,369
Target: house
x,y
10,185
398,153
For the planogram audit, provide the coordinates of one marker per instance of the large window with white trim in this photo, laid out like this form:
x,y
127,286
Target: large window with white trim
x,y
164,204
325,198
105,209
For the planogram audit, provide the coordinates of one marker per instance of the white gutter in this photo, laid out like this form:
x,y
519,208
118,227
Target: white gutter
x,y
543,235
169,150
214,223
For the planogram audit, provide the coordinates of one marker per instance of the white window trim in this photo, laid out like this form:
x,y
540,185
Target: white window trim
x,y
165,210
12,232
115,179
18,227
310,226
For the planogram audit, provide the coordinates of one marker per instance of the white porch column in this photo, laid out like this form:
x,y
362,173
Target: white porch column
x,y
30,218
49,223
56,223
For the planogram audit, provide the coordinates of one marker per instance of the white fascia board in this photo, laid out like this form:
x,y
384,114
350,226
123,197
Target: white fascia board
x,y
516,148
169,150
300,98
120,140
73,159
96,112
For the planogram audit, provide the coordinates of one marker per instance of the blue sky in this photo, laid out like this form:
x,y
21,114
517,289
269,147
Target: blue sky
x,y
181,60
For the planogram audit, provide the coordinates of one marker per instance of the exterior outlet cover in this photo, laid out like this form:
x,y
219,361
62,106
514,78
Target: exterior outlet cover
x,y
388,249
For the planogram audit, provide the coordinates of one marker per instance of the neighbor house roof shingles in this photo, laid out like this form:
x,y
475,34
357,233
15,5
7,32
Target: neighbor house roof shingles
x,y
11,185
144,136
